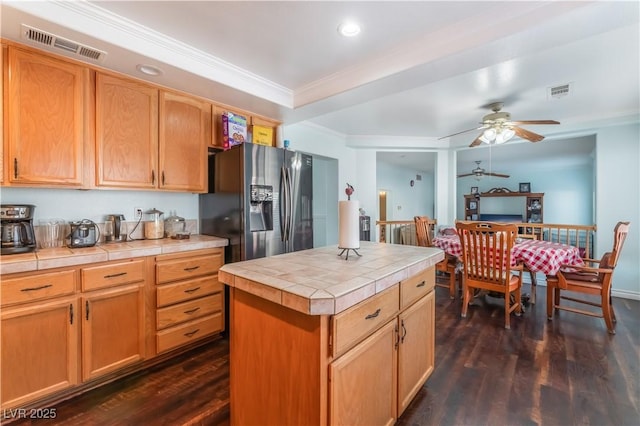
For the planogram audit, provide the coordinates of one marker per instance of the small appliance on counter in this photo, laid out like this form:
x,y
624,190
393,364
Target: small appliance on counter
x,y
16,225
154,225
115,228
84,233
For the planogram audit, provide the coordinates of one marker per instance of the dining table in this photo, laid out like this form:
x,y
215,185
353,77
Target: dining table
x,y
537,255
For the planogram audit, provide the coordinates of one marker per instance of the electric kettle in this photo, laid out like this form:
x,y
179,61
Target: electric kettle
x,y
115,228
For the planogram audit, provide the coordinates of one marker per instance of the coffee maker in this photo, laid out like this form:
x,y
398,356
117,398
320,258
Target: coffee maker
x,y
16,225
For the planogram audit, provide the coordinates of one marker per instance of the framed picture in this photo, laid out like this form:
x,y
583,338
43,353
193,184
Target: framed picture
x,y
473,205
525,187
474,189
474,217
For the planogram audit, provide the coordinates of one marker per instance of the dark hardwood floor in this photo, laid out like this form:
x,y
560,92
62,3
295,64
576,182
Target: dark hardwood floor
x,y
569,371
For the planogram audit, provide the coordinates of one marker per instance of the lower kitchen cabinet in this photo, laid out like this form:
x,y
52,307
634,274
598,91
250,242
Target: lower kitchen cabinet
x,y
416,358
362,366
39,350
189,297
363,381
112,329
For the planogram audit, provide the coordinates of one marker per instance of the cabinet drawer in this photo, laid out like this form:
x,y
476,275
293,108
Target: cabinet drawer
x,y
354,324
186,290
188,332
415,287
38,286
166,317
112,275
179,269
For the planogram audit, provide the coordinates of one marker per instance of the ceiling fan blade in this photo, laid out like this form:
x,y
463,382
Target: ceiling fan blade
x,y
535,122
464,131
467,174
526,134
496,174
477,141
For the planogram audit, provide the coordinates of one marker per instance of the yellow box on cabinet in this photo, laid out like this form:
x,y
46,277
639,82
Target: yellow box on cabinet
x,y
262,135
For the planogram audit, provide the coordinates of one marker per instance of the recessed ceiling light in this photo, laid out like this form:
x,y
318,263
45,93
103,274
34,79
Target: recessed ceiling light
x,y
349,29
149,69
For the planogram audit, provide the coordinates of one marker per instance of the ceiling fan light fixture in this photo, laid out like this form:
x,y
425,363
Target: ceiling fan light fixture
x,y
504,135
488,135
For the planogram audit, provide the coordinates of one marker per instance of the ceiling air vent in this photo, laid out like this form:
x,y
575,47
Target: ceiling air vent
x,y
559,91
52,40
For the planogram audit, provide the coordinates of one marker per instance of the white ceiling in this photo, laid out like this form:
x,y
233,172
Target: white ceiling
x,y
421,69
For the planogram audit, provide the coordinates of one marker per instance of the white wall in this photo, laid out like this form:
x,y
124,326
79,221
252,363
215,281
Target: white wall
x,y
94,204
618,199
408,201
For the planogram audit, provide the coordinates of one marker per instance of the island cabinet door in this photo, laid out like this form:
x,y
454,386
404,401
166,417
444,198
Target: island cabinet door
x,y
415,351
362,382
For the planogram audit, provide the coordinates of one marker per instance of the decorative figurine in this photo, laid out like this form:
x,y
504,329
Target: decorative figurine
x,y
349,191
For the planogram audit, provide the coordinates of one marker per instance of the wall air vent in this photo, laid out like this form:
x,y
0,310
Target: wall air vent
x,y
52,40
559,91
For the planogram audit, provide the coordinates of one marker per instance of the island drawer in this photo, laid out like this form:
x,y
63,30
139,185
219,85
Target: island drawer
x,y
188,332
356,323
417,286
180,269
169,294
187,311
112,274
38,286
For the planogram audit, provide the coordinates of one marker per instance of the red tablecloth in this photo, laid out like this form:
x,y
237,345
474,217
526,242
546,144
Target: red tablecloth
x,y
538,256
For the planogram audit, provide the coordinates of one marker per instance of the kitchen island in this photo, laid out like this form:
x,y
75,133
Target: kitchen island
x,y
317,339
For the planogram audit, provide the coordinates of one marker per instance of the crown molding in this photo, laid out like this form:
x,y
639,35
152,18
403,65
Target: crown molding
x,y
93,21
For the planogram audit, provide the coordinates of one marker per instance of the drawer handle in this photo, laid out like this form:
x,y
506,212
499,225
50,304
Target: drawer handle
x,y
190,334
192,290
190,311
119,274
193,268
404,331
421,284
373,315
37,288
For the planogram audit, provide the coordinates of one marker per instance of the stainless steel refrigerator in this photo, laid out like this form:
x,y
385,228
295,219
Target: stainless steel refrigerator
x,y
260,198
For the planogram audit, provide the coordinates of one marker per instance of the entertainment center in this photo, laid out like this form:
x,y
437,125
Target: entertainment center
x,y
534,202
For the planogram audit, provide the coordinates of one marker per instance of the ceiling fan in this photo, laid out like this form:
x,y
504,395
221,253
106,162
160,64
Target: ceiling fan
x,y
478,172
497,128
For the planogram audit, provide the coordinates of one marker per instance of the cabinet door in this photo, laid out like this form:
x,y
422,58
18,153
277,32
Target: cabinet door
x,y
362,388
185,123
126,133
112,330
416,350
39,350
45,119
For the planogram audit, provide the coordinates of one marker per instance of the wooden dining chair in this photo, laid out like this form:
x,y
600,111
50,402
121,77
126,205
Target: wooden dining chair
x,y
486,251
589,280
448,265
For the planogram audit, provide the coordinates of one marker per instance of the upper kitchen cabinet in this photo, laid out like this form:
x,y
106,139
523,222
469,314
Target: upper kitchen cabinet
x,y
185,131
45,120
126,133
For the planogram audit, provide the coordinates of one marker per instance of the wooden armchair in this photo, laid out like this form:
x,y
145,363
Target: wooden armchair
x,y
448,265
486,251
589,280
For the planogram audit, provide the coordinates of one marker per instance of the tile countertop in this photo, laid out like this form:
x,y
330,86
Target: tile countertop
x,y
319,282
65,256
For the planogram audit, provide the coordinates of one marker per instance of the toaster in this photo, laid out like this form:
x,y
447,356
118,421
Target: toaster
x,y
84,233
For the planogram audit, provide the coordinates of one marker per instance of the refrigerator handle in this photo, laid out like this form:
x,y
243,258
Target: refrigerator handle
x,y
283,202
289,205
